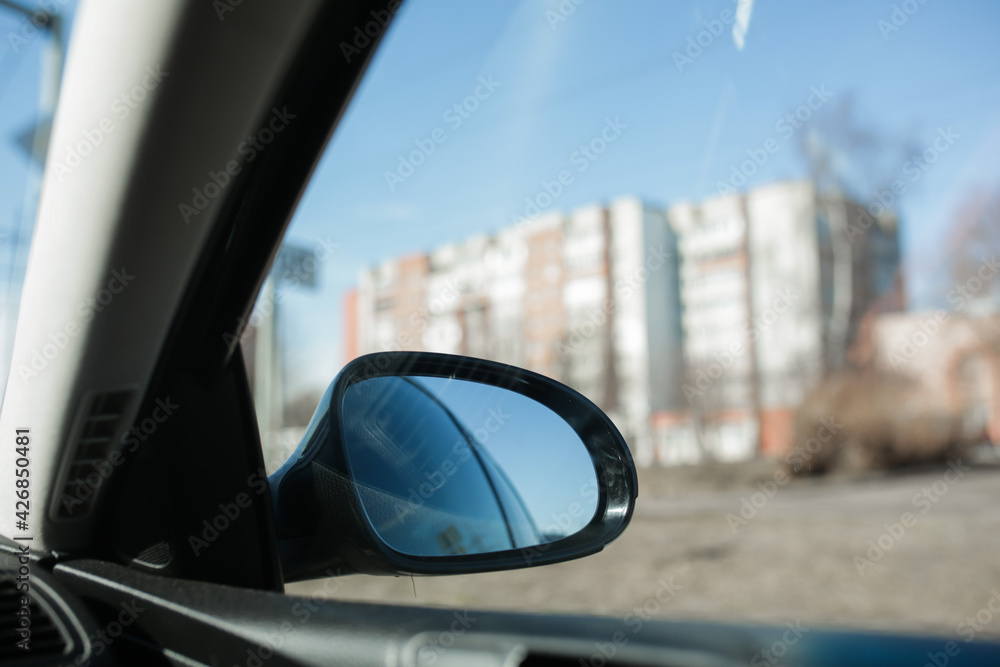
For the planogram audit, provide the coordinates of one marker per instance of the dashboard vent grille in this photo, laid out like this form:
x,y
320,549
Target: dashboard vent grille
x,y
46,638
95,434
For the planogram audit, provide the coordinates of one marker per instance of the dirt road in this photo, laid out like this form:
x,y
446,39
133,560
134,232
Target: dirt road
x,y
913,552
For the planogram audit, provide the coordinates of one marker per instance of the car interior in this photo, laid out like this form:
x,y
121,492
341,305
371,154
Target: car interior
x,y
178,549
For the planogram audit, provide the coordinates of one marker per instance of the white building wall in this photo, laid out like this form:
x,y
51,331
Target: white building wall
x,y
630,331
785,288
663,312
582,354
504,264
376,324
715,305
646,326
443,332
364,313
714,297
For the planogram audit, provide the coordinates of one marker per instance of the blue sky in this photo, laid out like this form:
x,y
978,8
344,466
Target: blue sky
x,y
686,129
19,82
510,427
558,84
20,72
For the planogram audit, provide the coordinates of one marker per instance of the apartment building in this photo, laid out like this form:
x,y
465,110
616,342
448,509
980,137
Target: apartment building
x,y
773,289
590,298
698,329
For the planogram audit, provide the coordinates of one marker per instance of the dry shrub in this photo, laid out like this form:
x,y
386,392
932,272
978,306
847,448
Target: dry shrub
x,y
858,421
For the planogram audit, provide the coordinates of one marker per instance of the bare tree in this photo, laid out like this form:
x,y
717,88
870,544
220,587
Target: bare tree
x,y
845,160
972,251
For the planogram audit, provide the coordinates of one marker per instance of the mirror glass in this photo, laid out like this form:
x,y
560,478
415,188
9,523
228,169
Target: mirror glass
x,y
447,467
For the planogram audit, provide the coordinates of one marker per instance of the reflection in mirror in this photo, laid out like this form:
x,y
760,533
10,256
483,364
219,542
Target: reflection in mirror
x,y
446,467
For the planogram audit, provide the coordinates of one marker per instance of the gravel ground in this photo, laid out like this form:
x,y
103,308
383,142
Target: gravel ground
x,y
795,559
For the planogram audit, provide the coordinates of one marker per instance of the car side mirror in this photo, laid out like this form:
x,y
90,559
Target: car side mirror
x,y
420,463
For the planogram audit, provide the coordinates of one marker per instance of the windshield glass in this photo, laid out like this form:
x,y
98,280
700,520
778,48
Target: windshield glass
x,y
760,235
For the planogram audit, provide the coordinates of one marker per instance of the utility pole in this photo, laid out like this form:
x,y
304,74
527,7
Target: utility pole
x,y
36,143
293,266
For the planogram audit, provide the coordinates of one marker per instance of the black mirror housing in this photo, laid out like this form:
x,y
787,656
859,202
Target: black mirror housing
x,y
331,507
